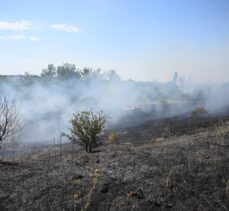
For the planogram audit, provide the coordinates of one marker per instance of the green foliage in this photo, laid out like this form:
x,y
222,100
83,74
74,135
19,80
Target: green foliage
x,y
112,75
86,71
64,71
87,128
89,73
49,72
67,71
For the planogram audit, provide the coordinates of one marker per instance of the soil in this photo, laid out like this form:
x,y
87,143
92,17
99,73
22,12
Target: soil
x,y
171,164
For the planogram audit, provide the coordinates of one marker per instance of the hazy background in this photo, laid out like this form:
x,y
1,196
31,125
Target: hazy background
x,y
140,39
47,103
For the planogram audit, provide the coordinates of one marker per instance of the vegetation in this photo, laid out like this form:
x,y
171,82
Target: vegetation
x,y
8,118
198,112
87,128
95,179
113,138
49,72
69,71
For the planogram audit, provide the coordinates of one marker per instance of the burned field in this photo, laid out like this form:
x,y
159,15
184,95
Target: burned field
x,y
170,164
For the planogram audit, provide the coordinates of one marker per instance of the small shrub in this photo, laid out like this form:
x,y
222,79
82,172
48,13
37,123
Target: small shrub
x,y
198,112
113,138
87,128
167,133
95,179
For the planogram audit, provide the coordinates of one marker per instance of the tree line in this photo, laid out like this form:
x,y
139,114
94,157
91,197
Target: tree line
x,y
69,71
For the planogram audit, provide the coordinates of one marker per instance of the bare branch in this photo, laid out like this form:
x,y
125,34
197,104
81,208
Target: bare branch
x,y
9,124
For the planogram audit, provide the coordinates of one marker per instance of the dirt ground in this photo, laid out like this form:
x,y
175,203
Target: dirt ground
x,y
171,164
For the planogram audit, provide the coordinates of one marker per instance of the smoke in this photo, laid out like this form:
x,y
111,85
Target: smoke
x,y
47,105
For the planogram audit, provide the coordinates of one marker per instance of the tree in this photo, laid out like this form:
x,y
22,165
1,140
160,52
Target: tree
x,y
67,71
86,71
9,125
111,75
87,128
49,72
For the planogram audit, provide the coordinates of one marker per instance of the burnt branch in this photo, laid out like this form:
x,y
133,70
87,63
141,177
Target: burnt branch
x,y
9,124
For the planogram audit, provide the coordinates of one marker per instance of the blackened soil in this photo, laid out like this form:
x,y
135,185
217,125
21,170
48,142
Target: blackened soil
x,y
176,126
178,164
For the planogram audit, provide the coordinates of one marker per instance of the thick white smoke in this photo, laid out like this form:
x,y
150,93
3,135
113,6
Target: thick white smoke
x,y
46,106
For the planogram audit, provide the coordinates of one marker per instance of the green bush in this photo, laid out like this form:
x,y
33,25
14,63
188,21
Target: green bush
x,y
87,128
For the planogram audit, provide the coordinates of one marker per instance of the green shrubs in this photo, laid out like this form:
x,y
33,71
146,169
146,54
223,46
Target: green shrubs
x,y
87,128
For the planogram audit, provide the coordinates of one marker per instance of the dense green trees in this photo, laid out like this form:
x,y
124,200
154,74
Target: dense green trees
x,y
49,72
69,71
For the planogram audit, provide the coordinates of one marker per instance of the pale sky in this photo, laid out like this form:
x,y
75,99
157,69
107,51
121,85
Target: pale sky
x,y
140,39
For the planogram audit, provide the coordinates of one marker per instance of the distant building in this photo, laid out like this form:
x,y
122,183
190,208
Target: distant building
x,y
175,78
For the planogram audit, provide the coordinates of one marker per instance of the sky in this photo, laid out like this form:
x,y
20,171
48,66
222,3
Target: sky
x,y
143,40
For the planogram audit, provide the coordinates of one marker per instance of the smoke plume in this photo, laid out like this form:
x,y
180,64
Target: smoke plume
x,y
46,105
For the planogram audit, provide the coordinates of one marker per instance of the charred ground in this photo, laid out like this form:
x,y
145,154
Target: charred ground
x,y
170,164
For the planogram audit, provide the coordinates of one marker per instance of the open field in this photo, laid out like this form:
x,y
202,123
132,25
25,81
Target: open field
x,y
173,164
112,105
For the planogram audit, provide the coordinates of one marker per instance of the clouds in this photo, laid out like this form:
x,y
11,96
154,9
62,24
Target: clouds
x,y
13,37
20,37
33,38
66,27
18,25
6,28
